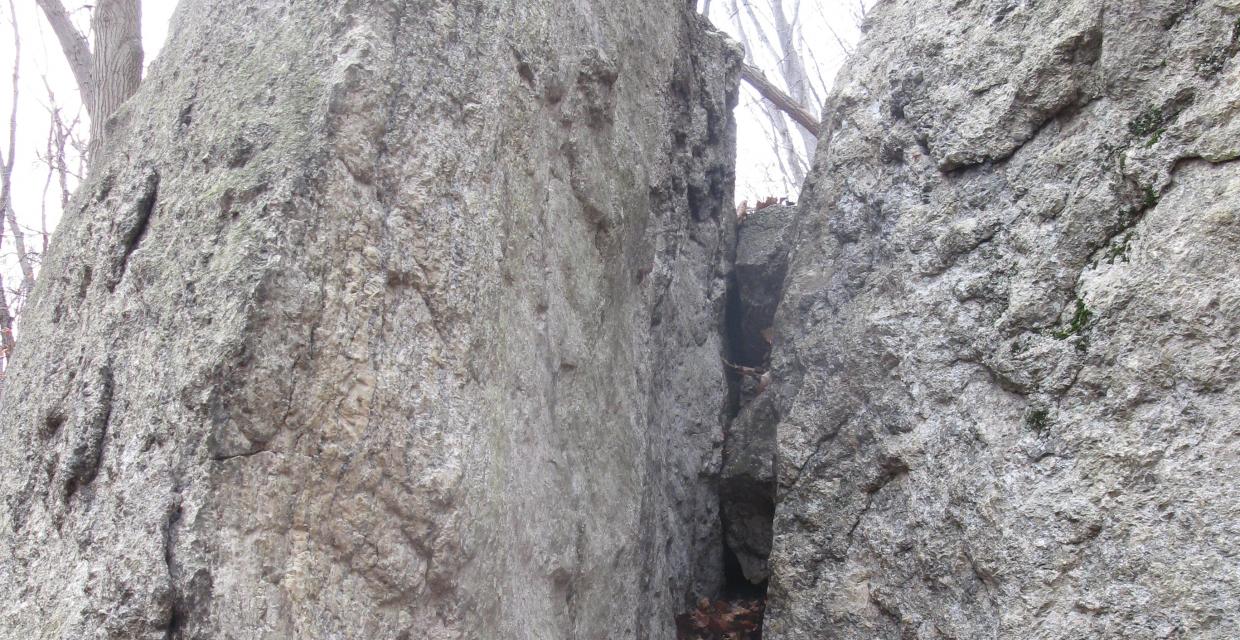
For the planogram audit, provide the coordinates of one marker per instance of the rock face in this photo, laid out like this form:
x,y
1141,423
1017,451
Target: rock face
x,y
747,479
1005,359
387,320
762,242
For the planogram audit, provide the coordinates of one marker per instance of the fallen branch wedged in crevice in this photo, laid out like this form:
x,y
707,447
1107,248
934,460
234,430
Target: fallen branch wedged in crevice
x,y
754,77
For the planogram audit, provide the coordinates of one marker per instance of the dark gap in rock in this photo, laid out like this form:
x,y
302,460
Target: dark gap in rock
x,y
89,439
52,423
736,586
176,614
732,337
145,209
747,477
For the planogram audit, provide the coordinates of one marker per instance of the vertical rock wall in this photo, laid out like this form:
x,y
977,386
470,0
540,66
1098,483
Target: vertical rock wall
x,y
747,479
1005,357
384,319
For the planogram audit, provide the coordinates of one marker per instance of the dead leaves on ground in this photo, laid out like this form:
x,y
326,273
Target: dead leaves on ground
x,y
722,620
743,209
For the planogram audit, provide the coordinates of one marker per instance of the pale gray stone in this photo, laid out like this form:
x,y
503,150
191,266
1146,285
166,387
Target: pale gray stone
x,y
747,479
388,320
1005,357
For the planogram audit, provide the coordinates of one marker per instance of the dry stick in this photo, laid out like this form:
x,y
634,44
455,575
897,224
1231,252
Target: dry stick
x,y
799,114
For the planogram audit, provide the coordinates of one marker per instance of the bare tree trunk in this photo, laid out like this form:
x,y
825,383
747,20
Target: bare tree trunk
x,y
75,48
7,342
117,69
794,167
793,69
6,173
6,184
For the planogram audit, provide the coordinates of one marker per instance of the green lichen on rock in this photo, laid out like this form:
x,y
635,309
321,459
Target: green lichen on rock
x,y
1150,123
1038,420
1078,323
1119,250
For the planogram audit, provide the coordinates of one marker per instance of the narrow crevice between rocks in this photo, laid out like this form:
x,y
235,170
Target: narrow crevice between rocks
x,y
747,477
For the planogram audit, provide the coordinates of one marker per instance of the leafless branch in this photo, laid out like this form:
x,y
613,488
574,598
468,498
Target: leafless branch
x,y
754,77
6,180
60,137
75,47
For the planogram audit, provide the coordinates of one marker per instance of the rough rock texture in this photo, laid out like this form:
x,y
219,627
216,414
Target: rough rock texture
x,y
747,487
1005,357
747,478
762,242
384,319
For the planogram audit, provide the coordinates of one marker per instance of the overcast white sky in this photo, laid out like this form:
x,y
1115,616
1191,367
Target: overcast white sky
x,y
827,26
758,174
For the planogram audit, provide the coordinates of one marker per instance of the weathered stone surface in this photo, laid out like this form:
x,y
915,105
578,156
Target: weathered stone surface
x,y
965,450
747,479
384,319
762,242
747,487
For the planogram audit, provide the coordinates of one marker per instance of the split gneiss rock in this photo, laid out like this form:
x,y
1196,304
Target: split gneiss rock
x,y
1006,369
763,240
747,487
747,479
384,319
401,320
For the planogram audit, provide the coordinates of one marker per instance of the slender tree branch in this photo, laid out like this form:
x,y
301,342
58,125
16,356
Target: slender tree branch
x,y
75,48
60,136
791,173
47,182
754,77
6,180
8,343
792,67
792,168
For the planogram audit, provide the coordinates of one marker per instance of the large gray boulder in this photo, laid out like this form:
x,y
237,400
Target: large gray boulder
x,y
384,319
1006,355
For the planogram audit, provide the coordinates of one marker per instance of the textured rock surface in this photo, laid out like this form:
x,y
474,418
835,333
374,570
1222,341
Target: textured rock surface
x,y
747,487
965,450
762,242
389,320
747,479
